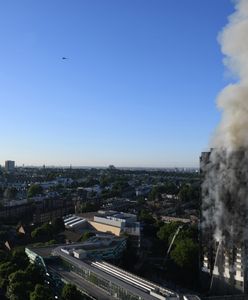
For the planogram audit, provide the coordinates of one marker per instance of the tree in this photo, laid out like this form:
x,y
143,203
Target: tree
x,y
70,292
104,181
3,285
189,193
167,231
43,233
86,236
34,190
146,217
3,256
90,181
88,207
19,286
168,188
22,282
17,291
58,225
20,258
10,193
18,277
185,253
119,186
35,274
41,292
6,269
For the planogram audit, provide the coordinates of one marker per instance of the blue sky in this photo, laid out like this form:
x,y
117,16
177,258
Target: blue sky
x,y
138,89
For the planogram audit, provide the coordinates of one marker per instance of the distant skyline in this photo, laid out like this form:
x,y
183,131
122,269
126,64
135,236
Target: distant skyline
x,y
138,88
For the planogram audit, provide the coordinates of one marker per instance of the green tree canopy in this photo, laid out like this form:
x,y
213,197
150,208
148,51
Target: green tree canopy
x,y
10,193
20,258
35,274
3,256
41,292
34,190
86,236
19,286
43,233
168,188
189,192
146,217
22,282
167,231
88,207
6,269
58,225
185,253
17,291
70,292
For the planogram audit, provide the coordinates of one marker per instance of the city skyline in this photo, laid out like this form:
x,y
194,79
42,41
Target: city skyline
x,y
138,88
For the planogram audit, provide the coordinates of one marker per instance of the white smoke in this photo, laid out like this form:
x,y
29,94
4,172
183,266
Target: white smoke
x,y
232,133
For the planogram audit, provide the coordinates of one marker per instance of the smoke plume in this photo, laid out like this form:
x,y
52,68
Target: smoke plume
x,y
232,133
225,188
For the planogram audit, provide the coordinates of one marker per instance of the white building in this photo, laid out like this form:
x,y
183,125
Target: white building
x,y
118,223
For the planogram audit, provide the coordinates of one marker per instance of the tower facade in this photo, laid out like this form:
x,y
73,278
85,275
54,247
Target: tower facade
x,y
224,255
9,165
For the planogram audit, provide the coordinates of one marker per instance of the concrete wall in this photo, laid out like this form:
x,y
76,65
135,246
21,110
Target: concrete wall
x,y
106,228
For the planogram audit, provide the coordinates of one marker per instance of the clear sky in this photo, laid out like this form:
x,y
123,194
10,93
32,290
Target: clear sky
x,y
138,87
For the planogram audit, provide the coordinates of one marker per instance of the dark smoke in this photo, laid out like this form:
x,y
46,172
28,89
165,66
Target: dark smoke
x,y
225,194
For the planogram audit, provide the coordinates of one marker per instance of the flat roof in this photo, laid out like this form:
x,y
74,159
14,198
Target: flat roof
x,y
96,243
116,215
81,283
45,251
119,282
128,281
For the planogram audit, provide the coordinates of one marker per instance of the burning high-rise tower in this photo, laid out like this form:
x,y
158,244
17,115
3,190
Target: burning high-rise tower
x,y
224,225
224,218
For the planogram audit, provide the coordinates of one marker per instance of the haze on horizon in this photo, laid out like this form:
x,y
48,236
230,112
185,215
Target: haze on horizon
x,y
138,88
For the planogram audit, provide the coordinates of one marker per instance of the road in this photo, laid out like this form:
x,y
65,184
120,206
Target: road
x,y
84,285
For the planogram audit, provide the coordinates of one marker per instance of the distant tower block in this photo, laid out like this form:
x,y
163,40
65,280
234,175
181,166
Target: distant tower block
x,y
9,165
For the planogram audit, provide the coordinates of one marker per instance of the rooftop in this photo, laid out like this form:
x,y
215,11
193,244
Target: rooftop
x,y
138,286
96,242
117,276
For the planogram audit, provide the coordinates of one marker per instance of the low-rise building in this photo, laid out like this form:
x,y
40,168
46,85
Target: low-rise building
x,y
107,247
143,190
97,278
169,219
75,223
118,223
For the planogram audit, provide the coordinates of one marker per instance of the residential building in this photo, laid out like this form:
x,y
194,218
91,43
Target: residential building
x,y
9,165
